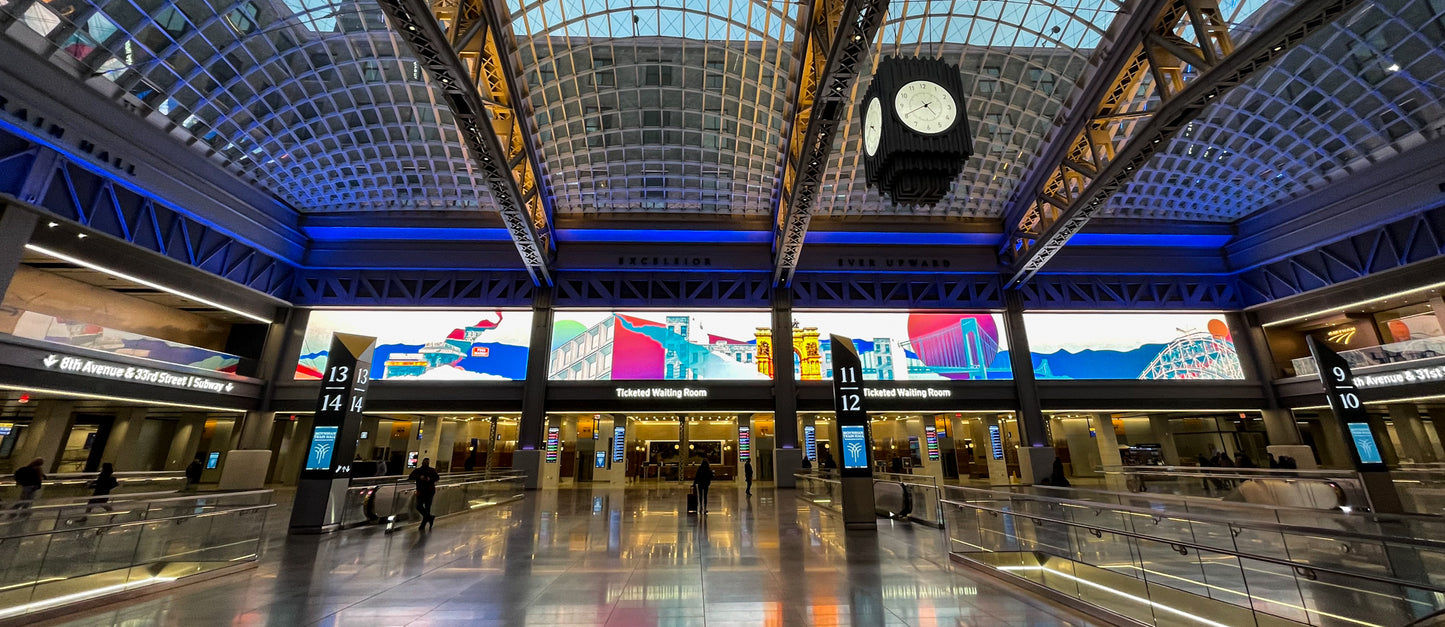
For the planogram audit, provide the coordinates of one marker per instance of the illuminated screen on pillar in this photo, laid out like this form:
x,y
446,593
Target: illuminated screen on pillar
x,y
930,435
855,446
905,346
995,442
1365,443
469,345
323,444
745,443
660,345
552,445
1140,346
619,444
810,442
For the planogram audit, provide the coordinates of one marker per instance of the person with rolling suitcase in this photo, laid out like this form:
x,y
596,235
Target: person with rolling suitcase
x,y
700,483
692,499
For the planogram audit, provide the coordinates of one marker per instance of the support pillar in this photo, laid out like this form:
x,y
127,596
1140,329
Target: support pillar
x,y
1254,356
45,437
930,467
787,451
16,225
1036,455
1109,457
1437,419
283,339
529,456
431,440
1414,442
983,445
122,448
186,440
1159,427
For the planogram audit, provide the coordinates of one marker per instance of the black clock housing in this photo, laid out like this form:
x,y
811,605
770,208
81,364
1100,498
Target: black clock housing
x,y
911,168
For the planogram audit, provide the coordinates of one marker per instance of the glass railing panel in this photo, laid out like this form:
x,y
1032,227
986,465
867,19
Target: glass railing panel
x,y
1333,599
1395,352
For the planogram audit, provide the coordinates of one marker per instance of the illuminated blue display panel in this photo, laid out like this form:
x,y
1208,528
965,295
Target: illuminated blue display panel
x,y
1365,443
810,442
460,345
855,446
323,443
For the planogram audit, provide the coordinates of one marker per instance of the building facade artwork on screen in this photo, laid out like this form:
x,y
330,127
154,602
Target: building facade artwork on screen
x,y
427,345
653,345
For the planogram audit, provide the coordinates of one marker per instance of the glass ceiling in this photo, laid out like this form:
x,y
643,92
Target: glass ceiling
x,y
670,106
1366,89
314,100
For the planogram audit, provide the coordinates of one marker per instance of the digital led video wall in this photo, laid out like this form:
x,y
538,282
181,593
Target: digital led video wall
x,y
905,346
660,345
1160,346
426,345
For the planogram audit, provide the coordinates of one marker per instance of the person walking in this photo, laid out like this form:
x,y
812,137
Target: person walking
x,y
748,475
30,478
193,475
103,484
701,481
426,479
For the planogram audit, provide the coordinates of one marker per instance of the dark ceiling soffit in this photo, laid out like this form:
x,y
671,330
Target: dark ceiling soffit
x,y
417,25
1110,60
1379,195
1231,71
830,58
55,109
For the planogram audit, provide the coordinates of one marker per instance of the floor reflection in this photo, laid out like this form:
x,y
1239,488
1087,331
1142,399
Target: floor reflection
x,y
605,557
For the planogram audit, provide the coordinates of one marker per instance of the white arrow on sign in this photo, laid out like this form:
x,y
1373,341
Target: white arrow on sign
x,y
50,361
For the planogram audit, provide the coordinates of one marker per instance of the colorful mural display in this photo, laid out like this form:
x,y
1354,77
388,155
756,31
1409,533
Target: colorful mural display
x,y
1155,346
48,328
658,345
905,346
436,345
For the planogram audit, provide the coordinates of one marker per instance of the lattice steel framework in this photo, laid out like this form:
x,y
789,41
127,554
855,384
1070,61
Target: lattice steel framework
x,y
413,289
1184,61
1020,63
657,106
924,291
44,178
831,52
1365,89
314,100
460,45
1131,292
1416,237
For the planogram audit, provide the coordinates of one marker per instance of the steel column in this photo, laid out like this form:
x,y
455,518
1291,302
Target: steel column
x,y
832,46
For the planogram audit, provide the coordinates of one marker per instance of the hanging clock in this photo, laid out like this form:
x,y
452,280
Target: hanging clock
x,y
915,131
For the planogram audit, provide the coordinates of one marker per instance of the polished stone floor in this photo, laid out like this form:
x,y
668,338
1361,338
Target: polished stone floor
x,y
604,557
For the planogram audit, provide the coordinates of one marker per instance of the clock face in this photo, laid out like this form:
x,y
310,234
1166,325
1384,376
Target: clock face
x,y
925,107
872,126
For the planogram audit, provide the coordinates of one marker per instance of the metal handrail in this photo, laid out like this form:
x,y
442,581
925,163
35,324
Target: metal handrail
x,y
132,523
906,478
83,500
1246,524
1199,547
817,476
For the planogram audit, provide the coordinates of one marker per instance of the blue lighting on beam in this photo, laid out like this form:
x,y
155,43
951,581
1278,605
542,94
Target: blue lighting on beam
x,y
1150,239
898,238
356,233
663,235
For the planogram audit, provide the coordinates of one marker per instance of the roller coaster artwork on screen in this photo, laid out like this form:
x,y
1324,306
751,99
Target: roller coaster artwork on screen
x,y
435,345
1150,346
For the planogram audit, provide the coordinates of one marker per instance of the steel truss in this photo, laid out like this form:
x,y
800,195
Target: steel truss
x,y
1115,142
923,291
42,177
422,288
1132,292
1417,237
833,43
466,48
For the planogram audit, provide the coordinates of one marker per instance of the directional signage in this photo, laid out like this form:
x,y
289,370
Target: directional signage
x,y
810,443
1344,398
337,421
930,435
745,443
848,396
552,444
123,372
619,444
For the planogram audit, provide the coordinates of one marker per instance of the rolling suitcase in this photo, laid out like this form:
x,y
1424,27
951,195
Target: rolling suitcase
x,y
692,500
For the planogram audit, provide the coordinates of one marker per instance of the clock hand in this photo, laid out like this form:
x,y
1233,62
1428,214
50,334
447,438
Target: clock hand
x,y
923,106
